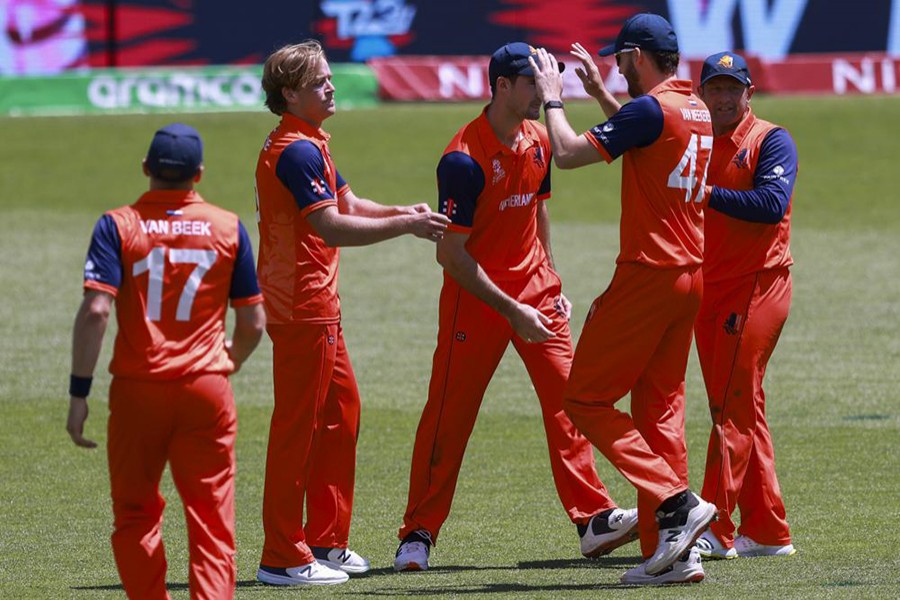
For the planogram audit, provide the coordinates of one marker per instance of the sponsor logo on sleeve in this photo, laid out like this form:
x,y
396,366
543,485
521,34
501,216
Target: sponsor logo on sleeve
x,y
777,173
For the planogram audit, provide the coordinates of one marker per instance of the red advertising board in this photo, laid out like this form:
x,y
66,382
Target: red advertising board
x,y
451,78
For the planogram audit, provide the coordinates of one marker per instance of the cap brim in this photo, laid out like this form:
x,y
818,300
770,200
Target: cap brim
x,y
607,50
529,72
732,75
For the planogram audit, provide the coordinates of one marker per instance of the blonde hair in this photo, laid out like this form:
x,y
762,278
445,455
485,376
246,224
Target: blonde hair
x,y
292,66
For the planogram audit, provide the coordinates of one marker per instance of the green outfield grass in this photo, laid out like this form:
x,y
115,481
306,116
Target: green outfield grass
x,y
832,386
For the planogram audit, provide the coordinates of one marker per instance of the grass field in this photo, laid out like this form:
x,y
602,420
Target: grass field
x,y
834,406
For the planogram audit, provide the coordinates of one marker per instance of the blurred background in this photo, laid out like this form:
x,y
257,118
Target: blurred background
x,y
70,56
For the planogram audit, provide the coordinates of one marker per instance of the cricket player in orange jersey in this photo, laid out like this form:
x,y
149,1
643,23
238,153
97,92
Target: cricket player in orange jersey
x,y
171,262
638,333
306,210
500,286
745,305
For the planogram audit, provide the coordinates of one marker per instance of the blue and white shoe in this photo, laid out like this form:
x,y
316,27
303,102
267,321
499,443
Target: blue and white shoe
x,y
608,530
749,548
313,573
413,553
342,559
678,530
709,546
686,569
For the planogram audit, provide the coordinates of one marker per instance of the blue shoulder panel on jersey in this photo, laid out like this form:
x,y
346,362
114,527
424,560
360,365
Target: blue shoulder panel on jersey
x,y
243,281
301,168
544,190
341,182
773,183
104,257
460,182
637,124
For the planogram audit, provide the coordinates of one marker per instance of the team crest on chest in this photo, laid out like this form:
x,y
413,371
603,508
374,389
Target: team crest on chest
x,y
539,157
740,159
499,173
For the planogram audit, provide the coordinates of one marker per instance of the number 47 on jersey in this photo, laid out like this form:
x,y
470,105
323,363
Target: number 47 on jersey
x,y
688,163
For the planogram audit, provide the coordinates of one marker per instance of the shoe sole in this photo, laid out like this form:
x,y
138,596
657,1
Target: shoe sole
x,y
345,568
272,579
765,554
700,526
695,578
604,549
712,556
411,567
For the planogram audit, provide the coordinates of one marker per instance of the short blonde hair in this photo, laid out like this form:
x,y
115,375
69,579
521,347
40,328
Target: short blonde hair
x,y
292,66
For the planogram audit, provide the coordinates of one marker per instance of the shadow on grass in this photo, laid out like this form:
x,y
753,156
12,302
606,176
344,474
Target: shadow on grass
x,y
573,563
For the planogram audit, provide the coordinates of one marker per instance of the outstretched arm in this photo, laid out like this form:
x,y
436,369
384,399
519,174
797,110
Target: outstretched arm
x,y
338,229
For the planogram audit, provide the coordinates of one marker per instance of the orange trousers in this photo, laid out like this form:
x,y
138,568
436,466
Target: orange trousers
x,y
737,329
637,338
472,338
190,423
312,444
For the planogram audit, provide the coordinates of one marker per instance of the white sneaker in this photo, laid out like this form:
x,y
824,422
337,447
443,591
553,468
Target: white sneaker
x,y
412,555
678,530
709,546
747,547
687,569
608,530
314,573
343,559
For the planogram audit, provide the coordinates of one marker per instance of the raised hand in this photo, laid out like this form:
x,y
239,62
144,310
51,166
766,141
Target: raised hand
x,y
588,72
547,78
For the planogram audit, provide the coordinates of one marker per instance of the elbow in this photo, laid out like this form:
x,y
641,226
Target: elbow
x,y
445,258
331,236
96,313
564,160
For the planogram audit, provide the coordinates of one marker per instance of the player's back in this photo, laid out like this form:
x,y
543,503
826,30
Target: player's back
x,y
663,182
177,258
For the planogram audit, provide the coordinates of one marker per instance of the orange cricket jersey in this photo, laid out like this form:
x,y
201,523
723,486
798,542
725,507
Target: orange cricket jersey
x,y
736,247
298,272
663,183
177,257
492,192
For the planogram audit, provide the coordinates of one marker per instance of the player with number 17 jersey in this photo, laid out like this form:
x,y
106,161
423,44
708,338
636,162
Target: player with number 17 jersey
x,y
175,260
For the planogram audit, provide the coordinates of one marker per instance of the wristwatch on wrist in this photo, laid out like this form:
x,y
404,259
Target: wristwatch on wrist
x,y
552,104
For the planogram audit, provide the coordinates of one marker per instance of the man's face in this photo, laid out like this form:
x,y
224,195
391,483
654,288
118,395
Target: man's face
x,y
727,99
314,102
523,98
625,62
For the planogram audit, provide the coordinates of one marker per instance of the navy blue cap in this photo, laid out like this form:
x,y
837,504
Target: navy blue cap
x,y
175,153
512,59
645,31
725,63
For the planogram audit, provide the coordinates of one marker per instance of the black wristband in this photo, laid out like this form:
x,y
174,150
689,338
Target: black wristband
x,y
552,104
80,387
